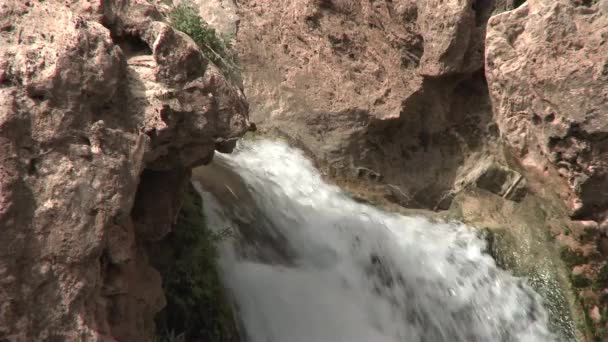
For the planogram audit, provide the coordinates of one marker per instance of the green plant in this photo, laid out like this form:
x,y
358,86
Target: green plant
x,y
570,257
186,258
517,3
579,280
218,50
171,336
602,278
590,3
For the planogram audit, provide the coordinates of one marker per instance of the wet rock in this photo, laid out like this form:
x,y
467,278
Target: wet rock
x,y
396,195
517,240
368,174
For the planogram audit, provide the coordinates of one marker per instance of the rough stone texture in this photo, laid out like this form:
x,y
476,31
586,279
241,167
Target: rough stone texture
x,y
547,68
393,87
91,94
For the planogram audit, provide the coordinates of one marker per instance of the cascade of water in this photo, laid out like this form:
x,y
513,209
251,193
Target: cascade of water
x,y
317,266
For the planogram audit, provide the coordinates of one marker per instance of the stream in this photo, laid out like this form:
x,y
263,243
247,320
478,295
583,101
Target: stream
x,y
309,264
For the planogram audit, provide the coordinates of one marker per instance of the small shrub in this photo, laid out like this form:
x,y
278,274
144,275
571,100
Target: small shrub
x,y
186,258
579,280
570,257
602,277
218,50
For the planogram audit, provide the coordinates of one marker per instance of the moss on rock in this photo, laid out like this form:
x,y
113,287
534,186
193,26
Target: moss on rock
x,y
520,240
197,308
579,280
571,257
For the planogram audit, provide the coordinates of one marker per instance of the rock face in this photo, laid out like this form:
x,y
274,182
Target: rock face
x,y
393,94
91,95
547,68
393,87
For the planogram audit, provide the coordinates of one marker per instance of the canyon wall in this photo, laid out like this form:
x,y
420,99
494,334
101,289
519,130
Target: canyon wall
x,y
390,94
104,108
395,92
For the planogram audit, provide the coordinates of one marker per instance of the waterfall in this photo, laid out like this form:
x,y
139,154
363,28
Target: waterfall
x,y
309,264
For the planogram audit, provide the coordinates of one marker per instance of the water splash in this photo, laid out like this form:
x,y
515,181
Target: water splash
x,y
317,266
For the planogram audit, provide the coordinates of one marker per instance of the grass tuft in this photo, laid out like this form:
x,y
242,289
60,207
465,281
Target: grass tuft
x,y
218,50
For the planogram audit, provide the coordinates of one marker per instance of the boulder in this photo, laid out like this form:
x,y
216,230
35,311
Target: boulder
x,y
547,70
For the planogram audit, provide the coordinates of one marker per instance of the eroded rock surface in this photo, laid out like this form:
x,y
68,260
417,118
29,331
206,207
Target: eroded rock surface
x,y
91,94
547,68
392,87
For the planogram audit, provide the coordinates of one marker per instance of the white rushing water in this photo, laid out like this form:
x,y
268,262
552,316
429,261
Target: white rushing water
x,y
321,267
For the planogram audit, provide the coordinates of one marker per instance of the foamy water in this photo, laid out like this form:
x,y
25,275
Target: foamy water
x,y
353,273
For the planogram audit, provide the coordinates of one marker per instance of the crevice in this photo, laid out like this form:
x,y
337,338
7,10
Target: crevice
x,y
132,45
483,10
157,202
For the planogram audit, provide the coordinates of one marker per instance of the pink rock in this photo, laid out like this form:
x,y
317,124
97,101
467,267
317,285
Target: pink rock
x,y
594,314
84,109
541,65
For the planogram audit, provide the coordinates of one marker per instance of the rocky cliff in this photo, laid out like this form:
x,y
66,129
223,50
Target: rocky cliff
x,y
394,92
99,101
391,93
